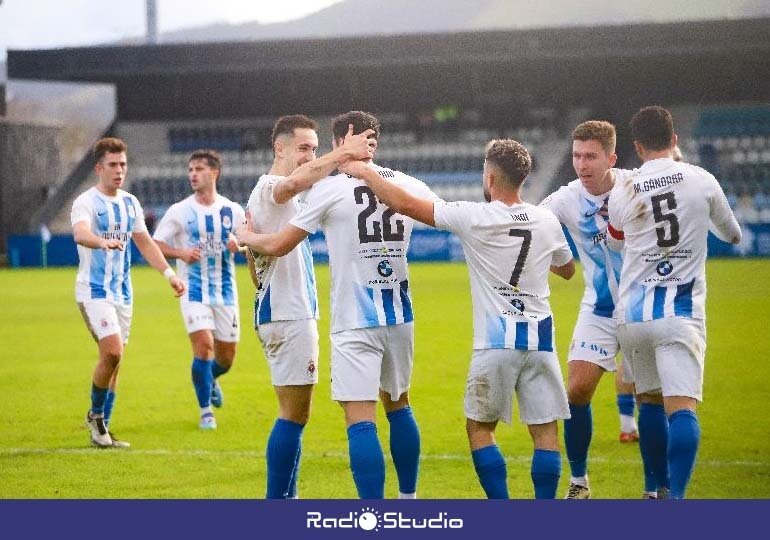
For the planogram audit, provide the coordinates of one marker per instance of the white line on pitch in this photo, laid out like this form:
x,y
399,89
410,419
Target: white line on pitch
x,y
260,454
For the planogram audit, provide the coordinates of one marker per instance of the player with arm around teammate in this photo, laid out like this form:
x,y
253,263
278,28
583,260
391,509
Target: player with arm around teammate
x,y
372,319
196,232
104,221
509,247
661,217
286,302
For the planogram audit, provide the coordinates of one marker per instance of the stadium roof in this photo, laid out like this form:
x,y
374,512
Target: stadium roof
x,y
109,63
167,81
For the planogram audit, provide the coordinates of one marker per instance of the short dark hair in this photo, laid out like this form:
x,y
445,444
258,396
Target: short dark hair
x,y
286,125
511,158
212,157
361,122
108,145
600,131
653,128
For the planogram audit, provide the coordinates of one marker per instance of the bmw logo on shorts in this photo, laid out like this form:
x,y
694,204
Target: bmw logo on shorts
x,y
384,268
665,268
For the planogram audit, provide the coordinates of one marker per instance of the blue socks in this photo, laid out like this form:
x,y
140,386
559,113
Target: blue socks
x,y
203,380
653,441
405,448
492,472
367,462
626,404
545,472
683,440
217,369
578,430
98,397
109,403
292,494
283,448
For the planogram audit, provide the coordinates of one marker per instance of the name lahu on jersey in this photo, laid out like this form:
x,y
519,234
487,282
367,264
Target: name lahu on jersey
x,y
385,173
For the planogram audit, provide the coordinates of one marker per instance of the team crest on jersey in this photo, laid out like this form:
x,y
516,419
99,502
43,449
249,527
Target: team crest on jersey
x,y
104,323
227,223
311,367
664,268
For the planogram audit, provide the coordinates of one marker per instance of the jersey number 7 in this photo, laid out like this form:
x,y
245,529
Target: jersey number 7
x,y
526,240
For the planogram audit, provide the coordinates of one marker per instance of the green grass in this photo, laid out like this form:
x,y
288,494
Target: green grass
x,y
48,357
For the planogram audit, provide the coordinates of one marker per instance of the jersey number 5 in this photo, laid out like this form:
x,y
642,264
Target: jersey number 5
x,y
526,240
657,212
380,231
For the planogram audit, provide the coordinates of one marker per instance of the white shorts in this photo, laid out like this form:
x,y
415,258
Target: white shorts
x,y
104,318
224,321
291,349
367,360
666,355
535,377
595,340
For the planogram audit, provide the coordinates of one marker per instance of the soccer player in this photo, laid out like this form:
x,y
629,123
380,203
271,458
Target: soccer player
x,y
197,233
581,206
372,331
104,220
286,303
509,247
661,216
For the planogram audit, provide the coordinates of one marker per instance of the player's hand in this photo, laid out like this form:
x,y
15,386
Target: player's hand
x,y
233,246
244,230
359,146
354,168
178,285
191,255
112,244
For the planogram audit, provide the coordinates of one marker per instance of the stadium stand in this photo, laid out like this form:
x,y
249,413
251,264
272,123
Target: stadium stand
x,y
733,143
447,157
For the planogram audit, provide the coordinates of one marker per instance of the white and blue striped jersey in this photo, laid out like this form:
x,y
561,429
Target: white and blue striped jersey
x,y
509,251
585,217
105,274
367,244
287,286
189,224
664,211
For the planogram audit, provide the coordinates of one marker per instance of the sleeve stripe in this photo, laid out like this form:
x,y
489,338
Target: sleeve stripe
x,y
616,234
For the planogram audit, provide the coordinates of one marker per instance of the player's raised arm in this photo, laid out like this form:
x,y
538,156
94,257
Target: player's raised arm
x,y
85,237
276,244
154,256
393,196
353,147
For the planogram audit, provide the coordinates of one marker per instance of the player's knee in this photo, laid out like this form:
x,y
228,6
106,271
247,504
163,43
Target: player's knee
x,y
580,392
111,357
654,399
224,360
297,416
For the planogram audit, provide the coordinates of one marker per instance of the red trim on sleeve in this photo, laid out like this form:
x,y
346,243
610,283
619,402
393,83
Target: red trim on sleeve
x,y
616,234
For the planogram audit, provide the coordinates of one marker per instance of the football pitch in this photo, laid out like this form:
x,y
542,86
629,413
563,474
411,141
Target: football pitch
x,y
48,357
